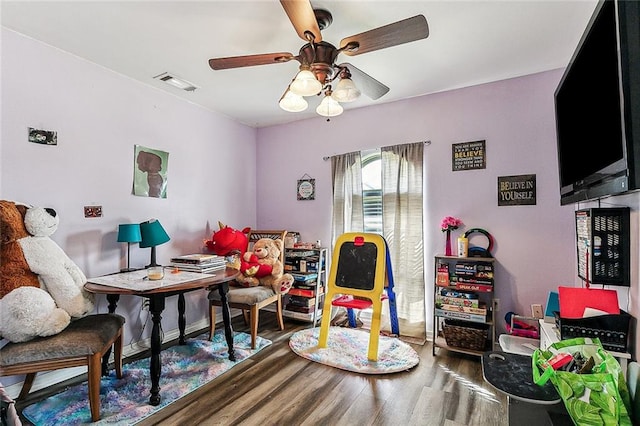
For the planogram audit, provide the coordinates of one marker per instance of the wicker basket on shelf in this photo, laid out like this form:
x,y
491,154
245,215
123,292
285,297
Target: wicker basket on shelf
x,y
465,335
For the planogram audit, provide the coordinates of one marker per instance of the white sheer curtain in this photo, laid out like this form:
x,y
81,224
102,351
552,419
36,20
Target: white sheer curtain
x,y
348,212
402,217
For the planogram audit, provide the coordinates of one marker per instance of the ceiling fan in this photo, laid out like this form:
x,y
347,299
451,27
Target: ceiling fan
x,y
317,58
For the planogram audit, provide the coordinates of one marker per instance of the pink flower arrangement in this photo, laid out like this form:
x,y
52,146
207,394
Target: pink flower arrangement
x,y
450,223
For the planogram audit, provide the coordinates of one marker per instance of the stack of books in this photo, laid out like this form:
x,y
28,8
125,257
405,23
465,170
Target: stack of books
x,y
306,285
199,262
474,276
304,297
460,305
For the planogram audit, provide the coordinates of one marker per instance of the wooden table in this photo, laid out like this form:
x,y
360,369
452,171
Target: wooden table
x,y
157,296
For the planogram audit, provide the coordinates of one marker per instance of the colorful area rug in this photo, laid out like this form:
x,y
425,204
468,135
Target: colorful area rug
x,y
126,401
347,349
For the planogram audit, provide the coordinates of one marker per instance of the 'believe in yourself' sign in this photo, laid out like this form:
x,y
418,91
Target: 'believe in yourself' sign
x,y
517,190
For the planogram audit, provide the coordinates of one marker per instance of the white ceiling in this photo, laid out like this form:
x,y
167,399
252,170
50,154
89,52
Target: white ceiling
x,y
470,42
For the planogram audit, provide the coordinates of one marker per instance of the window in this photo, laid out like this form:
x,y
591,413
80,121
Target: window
x,y
372,191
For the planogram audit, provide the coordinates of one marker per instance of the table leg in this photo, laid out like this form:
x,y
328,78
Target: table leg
x,y
226,318
156,306
182,321
113,304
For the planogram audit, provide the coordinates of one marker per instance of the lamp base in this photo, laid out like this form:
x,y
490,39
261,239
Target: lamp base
x,y
153,258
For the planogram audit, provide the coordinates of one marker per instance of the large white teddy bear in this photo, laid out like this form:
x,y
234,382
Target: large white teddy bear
x,y
58,274
42,305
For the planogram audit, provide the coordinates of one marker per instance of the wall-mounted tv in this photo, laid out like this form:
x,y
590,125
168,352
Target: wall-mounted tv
x,y
598,107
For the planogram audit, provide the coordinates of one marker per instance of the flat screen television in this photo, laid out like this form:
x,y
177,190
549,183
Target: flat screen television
x,y
597,104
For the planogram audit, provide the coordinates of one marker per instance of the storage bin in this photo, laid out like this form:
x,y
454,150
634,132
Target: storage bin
x,y
462,334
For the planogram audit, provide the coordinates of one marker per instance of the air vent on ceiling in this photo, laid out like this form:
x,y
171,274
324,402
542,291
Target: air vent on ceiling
x,y
175,81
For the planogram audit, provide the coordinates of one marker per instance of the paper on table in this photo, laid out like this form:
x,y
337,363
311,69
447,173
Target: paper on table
x,y
137,280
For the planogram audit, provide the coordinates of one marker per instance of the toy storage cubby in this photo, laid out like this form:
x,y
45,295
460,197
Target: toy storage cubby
x,y
309,269
464,304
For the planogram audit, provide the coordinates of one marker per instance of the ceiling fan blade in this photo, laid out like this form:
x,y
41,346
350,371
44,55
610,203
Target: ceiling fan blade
x,y
405,31
367,84
249,60
303,18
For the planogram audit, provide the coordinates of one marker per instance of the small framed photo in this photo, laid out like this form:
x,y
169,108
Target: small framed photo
x,y
43,137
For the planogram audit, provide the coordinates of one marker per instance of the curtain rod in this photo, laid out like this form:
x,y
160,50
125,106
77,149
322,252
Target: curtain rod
x,y
329,157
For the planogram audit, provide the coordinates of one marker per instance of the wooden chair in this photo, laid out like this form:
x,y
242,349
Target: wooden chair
x,y
251,299
83,343
360,272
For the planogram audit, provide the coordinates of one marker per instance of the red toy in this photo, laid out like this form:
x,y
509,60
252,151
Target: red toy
x,y
228,241
250,266
518,327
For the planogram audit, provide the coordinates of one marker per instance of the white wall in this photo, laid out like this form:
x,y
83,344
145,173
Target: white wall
x,y
535,245
99,117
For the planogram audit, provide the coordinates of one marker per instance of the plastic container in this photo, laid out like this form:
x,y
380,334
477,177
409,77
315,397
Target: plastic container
x,y
463,247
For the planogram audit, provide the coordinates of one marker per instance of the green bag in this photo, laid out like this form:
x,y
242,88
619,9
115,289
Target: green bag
x,y
597,398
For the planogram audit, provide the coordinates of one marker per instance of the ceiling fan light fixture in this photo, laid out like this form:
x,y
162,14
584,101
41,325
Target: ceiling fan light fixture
x,y
305,84
291,102
346,91
329,107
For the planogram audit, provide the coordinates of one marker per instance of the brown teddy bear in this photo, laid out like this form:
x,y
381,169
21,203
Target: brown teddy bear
x,y
26,310
14,268
267,253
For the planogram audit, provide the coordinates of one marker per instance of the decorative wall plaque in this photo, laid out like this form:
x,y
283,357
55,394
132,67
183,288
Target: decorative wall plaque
x,y
517,190
468,156
306,188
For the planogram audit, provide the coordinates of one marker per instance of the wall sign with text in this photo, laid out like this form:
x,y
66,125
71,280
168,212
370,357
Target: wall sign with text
x,y
468,156
306,188
517,190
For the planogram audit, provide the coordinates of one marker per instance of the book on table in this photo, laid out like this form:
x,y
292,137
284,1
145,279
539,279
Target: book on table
x,y
204,268
198,259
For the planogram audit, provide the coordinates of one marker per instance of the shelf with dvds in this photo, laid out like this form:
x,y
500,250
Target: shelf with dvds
x,y
463,304
309,269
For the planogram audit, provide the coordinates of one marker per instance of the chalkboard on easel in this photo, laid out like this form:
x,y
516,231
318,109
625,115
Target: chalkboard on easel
x,y
357,266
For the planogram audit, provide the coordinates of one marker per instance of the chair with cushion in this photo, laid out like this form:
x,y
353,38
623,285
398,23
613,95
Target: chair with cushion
x,y
250,299
83,343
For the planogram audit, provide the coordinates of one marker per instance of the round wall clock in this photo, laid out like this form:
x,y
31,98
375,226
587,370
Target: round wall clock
x,y
306,189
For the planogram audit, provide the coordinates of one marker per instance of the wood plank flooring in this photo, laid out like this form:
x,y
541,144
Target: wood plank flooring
x,y
277,387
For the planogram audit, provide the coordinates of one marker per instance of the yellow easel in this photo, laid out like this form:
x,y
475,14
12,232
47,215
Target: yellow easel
x,y
358,273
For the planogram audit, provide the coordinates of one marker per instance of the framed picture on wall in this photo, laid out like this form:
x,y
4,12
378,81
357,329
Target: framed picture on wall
x,y
306,188
468,156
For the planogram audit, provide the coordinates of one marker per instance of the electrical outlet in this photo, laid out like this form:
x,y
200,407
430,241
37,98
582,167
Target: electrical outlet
x,y
536,311
496,305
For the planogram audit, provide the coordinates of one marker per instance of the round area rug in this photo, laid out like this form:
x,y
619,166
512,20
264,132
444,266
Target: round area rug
x,y
347,349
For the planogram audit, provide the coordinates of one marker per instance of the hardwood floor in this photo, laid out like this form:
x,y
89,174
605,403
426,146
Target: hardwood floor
x,y
277,387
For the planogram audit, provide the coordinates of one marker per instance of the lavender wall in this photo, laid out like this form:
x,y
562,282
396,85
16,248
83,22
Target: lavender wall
x,y
534,244
99,117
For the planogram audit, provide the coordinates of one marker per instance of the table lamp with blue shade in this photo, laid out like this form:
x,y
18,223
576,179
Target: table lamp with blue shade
x,y
153,234
129,233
